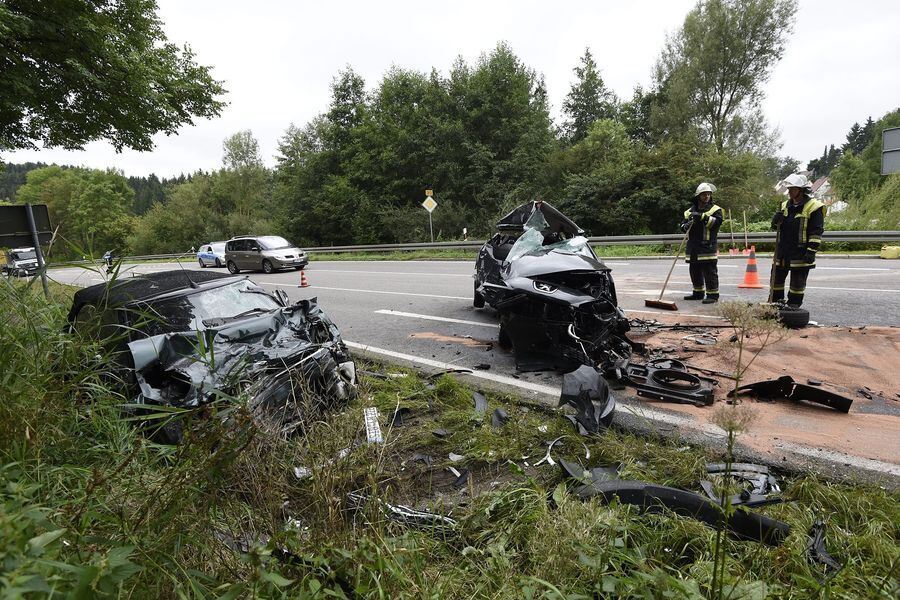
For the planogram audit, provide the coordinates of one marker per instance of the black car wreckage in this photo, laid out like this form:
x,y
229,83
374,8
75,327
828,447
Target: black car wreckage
x,y
556,300
185,339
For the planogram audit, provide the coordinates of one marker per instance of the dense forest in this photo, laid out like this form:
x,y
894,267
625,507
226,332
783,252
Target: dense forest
x,y
481,136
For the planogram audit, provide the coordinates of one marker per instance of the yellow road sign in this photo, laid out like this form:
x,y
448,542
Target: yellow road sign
x,y
429,204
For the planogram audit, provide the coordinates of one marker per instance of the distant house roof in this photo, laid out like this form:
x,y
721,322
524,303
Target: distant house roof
x,y
819,183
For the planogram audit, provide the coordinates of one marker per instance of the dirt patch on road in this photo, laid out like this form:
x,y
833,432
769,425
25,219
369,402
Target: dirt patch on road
x,y
858,363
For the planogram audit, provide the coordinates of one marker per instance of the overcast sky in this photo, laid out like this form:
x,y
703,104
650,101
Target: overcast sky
x,y
277,59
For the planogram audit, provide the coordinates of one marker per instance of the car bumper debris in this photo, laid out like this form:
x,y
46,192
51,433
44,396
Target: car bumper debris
x,y
786,388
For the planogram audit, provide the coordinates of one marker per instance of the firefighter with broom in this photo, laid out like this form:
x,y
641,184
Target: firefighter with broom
x,y
800,223
701,223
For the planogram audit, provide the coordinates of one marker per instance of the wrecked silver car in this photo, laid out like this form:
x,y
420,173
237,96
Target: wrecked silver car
x,y
556,300
188,338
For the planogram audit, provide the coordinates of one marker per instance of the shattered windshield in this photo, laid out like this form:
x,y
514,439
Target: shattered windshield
x,y
532,242
206,308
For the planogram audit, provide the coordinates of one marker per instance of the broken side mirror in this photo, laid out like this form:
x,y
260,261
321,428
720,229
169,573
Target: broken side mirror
x,y
283,297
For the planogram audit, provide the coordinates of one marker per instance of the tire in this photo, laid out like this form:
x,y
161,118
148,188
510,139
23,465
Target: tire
x,y
218,262
477,298
232,268
267,266
794,318
202,264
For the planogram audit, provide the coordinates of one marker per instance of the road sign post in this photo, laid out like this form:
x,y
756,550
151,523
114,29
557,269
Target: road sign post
x,y
430,205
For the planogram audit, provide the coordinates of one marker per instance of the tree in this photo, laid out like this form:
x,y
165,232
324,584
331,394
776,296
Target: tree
x,y
245,179
74,71
587,101
712,72
92,208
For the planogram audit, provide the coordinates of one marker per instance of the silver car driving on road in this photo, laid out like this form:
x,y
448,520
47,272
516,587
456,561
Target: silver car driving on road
x,y
266,253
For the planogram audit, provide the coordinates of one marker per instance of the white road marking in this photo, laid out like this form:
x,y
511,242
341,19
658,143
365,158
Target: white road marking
x,y
854,269
809,287
437,275
720,266
398,313
320,287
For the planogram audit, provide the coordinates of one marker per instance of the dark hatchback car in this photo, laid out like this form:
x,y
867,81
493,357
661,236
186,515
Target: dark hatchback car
x,y
556,300
184,339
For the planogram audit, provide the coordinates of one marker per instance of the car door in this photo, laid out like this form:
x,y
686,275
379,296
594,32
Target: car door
x,y
240,253
254,257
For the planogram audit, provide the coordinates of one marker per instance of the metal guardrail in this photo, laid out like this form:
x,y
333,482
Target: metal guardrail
x,y
609,240
622,240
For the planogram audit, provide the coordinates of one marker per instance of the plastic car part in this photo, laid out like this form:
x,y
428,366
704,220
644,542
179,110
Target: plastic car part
x,y
404,515
587,392
762,486
668,384
786,388
743,525
815,550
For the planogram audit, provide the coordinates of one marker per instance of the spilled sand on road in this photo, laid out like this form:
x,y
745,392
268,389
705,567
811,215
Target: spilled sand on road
x,y
849,361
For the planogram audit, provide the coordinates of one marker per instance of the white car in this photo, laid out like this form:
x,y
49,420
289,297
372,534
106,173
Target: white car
x,y
212,255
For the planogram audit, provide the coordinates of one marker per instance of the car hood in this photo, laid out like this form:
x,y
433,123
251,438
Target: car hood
x,y
555,261
295,349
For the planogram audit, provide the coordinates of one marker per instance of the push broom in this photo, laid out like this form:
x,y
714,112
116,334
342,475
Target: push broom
x,y
659,302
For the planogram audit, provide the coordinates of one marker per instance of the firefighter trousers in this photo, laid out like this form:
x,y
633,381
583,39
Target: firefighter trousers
x,y
797,285
704,273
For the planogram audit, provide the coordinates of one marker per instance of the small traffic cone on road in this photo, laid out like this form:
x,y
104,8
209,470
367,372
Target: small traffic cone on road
x,y
304,282
751,276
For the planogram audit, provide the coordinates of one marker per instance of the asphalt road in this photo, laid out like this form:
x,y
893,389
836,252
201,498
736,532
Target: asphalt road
x,y
424,308
420,313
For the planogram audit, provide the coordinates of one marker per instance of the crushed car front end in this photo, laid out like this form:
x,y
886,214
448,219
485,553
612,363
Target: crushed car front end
x,y
556,300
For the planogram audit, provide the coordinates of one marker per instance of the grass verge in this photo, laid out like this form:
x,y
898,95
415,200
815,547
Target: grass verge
x,y
91,508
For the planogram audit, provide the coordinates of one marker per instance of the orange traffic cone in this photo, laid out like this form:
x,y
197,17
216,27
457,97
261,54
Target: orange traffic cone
x,y
751,276
304,282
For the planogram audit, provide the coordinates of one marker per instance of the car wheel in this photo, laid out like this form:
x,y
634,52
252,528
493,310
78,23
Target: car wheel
x,y
218,262
795,318
477,298
202,264
267,266
232,268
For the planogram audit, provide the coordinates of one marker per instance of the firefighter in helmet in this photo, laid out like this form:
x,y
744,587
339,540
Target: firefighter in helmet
x,y
701,223
799,224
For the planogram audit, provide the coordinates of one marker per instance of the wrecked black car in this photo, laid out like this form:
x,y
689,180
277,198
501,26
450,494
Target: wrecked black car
x,y
185,339
556,299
